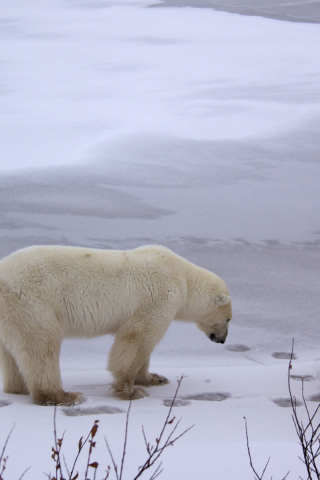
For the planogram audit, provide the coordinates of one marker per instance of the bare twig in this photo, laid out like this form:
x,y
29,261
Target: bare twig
x,y
57,448
115,467
81,444
258,477
153,451
309,435
56,456
125,441
92,434
309,438
156,450
3,459
24,473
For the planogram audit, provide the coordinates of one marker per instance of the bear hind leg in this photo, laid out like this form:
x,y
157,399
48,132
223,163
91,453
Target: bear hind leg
x,y
13,381
44,379
38,362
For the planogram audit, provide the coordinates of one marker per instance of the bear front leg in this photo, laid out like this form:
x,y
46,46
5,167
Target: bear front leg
x,y
125,360
147,379
129,353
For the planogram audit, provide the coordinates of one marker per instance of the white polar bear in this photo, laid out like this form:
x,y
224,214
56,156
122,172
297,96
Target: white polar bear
x,y
48,293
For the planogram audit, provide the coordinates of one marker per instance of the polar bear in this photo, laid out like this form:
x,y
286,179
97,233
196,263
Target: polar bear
x,y
48,293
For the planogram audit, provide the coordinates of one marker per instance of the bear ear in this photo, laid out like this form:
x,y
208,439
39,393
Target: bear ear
x,y
222,299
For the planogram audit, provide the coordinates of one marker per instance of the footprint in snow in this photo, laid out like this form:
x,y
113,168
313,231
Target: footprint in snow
x,y
91,387
102,410
179,402
4,403
209,396
206,397
315,398
237,348
283,355
305,378
285,402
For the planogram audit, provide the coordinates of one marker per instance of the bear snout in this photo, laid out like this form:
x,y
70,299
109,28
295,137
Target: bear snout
x,y
215,339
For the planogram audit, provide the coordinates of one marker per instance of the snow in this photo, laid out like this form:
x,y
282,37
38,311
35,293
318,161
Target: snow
x,y
122,124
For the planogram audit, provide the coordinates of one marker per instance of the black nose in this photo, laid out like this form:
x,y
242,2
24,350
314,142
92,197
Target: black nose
x,y
212,337
222,341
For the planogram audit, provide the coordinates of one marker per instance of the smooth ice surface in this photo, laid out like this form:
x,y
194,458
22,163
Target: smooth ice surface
x,y
307,11
122,124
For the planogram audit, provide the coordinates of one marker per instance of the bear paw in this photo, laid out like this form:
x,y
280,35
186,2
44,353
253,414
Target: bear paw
x,y
20,390
125,394
152,380
158,379
59,398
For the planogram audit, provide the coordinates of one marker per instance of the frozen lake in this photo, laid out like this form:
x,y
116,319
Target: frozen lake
x,y
307,11
131,123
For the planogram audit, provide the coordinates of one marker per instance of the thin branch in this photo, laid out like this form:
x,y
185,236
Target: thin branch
x,y
156,473
5,444
125,441
65,464
250,458
154,452
3,459
81,444
115,467
24,473
58,444
92,434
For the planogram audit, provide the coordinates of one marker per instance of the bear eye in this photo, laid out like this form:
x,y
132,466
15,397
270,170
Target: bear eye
x,y
228,319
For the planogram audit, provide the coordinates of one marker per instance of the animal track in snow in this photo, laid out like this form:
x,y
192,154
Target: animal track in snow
x,y
179,402
102,410
237,348
209,396
305,378
285,402
284,355
315,398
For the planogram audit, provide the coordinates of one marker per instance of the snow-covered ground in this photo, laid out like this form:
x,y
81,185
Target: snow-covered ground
x,y
123,124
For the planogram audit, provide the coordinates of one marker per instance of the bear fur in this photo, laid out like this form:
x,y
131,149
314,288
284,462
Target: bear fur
x,y
48,293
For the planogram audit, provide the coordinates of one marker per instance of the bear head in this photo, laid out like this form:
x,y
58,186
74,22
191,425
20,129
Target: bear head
x,y
215,323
